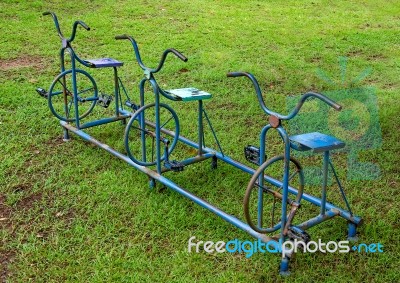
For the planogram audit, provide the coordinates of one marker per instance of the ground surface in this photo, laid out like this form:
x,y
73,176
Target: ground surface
x,y
71,212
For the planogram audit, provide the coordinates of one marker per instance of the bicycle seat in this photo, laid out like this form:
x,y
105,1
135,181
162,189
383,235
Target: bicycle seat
x,y
189,94
104,62
316,142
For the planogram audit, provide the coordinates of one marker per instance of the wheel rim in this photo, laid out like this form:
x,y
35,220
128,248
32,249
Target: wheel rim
x,y
63,106
141,127
252,200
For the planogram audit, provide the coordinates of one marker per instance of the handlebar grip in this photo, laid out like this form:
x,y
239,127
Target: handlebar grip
x,y
85,26
332,103
46,13
237,74
179,55
123,36
336,106
325,99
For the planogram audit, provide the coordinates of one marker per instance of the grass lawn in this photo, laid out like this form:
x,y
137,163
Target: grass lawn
x,y
72,212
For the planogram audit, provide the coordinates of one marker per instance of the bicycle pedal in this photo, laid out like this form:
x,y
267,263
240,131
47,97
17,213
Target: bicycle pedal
x,y
42,92
104,100
297,233
252,154
174,165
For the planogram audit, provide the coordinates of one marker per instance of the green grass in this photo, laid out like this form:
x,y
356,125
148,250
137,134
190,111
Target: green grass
x,y
74,213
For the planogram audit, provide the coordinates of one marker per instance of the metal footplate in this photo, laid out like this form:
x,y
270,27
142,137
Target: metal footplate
x,y
174,165
42,92
295,233
252,154
105,100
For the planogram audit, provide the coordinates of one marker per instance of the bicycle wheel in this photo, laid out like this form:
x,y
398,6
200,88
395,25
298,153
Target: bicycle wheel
x,y
61,95
265,198
140,134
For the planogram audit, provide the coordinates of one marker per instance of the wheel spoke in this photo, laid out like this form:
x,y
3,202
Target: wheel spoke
x,y
166,122
152,150
273,212
274,190
66,89
86,90
69,108
143,130
135,146
290,178
265,189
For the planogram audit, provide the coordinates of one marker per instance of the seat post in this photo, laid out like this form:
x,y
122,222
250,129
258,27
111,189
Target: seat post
x,y
324,180
200,127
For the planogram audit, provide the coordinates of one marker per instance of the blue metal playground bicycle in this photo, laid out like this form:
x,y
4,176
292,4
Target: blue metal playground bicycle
x,y
153,131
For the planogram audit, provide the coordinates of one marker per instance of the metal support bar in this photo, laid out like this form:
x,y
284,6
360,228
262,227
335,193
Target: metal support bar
x,y
154,175
116,91
103,121
306,197
212,131
318,219
324,180
201,128
192,160
340,187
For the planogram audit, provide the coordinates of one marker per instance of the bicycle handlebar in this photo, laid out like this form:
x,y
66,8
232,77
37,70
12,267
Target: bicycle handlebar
x,y
53,15
74,26
296,110
178,54
163,56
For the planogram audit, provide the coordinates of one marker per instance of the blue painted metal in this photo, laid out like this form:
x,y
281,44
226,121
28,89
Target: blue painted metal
x,y
352,232
104,62
167,182
66,47
313,141
328,214
284,267
212,131
340,188
52,93
298,106
200,127
103,121
193,160
116,90
324,181
139,115
189,94
158,133
317,142
75,90
244,168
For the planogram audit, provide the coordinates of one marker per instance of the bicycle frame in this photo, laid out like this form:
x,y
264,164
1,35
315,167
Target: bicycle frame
x,y
66,47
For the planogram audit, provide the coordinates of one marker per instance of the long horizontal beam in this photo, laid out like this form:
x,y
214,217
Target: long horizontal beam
x,y
227,217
